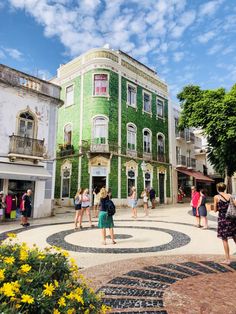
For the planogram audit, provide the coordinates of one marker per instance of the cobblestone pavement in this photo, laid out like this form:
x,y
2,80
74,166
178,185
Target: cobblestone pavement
x,y
160,264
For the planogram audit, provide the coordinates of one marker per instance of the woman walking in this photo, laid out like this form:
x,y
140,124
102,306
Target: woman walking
x,y
105,221
78,202
85,206
194,203
144,196
201,207
226,228
96,202
133,202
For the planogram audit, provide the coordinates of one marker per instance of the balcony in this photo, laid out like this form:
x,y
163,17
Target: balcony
x,y
181,161
162,157
147,156
22,146
98,146
179,135
189,137
66,150
191,163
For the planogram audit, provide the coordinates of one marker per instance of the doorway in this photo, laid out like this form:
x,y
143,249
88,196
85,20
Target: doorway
x,y
162,188
98,182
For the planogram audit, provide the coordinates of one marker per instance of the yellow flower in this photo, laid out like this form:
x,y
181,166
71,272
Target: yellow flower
x,y
16,286
2,276
41,256
55,311
62,301
7,289
25,268
79,299
23,255
11,235
56,283
9,260
49,288
17,306
25,298
70,311
104,309
79,291
65,253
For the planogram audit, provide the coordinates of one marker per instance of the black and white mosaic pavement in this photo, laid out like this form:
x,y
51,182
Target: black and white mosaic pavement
x,y
142,290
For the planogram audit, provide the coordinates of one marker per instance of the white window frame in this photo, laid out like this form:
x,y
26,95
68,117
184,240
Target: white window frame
x,y
135,136
149,131
67,178
127,91
108,83
68,104
158,99
67,124
106,120
150,95
164,149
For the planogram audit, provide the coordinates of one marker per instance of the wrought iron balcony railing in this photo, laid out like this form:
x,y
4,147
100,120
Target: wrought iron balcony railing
x,y
96,146
189,137
181,160
66,150
191,162
22,145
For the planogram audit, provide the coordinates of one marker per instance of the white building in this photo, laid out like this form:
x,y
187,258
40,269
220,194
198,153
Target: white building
x,y
28,137
188,158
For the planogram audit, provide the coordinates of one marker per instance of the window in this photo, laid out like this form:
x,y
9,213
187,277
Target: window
x,y
65,183
160,148
69,99
26,125
131,137
131,95
131,180
68,134
147,141
147,102
100,130
147,180
160,108
100,85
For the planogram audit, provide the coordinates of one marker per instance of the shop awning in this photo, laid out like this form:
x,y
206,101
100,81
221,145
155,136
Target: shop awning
x,y
23,172
196,174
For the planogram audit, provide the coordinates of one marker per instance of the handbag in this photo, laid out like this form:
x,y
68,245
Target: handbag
x,y
231,210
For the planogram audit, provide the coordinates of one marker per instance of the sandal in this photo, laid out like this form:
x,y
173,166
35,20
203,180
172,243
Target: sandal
x,y
226,262
113,242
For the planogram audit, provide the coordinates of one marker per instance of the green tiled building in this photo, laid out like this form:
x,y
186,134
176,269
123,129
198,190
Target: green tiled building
x,y
113,127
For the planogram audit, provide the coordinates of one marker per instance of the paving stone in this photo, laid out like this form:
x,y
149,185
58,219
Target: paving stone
x,y
130,303
162,271
131,292
148,276
180,269
216,266
141,312
138,283
233,265
199,268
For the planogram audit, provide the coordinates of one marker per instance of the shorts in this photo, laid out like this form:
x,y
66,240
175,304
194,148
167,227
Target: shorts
x,y
133,203
195,212
26,213
77,206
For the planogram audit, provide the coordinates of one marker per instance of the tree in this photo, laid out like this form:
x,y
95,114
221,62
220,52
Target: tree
x,y
214,111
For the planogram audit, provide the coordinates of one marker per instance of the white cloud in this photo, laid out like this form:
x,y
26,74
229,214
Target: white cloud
x,y
185,21
178,56
204,38
2,55
214,49
210,7
14,53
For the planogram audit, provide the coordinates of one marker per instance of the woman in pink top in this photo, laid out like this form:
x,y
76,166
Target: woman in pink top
x,y
194,203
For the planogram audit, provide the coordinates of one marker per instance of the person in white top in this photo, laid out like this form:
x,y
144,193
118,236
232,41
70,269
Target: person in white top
x,y
145,196
85,206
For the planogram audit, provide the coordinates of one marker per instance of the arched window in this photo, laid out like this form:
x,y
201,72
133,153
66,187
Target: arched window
x,y
68,134
100,130
26,125
147,141
131,136
161,147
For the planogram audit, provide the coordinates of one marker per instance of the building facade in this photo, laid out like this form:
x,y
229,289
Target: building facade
x,y
112,128
28,136
188,158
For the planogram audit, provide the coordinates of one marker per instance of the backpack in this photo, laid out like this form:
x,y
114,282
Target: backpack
x,y
110,208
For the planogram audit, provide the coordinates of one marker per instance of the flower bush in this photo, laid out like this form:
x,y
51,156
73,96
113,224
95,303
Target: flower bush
x,y
43,281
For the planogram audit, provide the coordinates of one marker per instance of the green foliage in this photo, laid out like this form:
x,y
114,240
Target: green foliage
x,y
214,111
43,281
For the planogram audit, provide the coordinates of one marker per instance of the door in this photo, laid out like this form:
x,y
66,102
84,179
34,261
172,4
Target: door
x,y
162,188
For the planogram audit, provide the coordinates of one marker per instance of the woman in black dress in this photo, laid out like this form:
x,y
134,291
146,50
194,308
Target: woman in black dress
x,y
226,227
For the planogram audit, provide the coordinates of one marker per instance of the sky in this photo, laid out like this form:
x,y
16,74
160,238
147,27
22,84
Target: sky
x,y
184,41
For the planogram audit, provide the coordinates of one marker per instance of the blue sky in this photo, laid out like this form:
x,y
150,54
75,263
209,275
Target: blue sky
x,y
185,41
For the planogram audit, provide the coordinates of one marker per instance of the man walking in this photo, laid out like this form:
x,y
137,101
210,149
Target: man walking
x,y
152,195
26,208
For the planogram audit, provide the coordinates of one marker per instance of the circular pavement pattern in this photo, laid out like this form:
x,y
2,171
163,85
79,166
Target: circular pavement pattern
x,y
178,239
